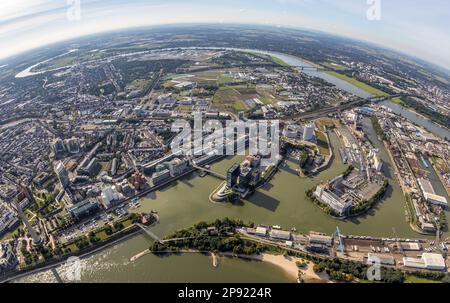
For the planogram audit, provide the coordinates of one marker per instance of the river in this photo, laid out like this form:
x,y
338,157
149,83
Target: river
x,y
295,62
436,129
113,265
348,87
282,202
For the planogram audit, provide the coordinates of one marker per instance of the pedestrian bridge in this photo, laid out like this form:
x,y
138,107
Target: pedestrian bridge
x,y
209,171
149,233
206,170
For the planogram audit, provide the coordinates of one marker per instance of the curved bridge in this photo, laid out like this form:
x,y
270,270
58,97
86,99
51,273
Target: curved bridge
x,y
149,233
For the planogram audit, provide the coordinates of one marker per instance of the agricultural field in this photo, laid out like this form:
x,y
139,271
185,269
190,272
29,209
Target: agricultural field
x,y
206,78
234,97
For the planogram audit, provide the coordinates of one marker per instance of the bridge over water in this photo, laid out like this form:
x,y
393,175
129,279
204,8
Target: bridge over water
x,y
322,69
209,171
330,110
150,233
206,170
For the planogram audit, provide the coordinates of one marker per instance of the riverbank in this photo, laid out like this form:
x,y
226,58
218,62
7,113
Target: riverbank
x,y
396,101
289,265
183,203
286,263
93,248
413,226
415,111
366,87
82,255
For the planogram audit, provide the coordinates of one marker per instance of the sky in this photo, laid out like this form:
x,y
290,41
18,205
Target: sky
x,y
416,27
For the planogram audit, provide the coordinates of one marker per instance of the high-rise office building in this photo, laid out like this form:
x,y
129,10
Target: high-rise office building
x,y
62,175
59,147
233,174
308,132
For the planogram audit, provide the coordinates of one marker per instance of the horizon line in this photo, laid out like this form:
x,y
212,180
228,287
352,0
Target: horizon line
x,y
185,24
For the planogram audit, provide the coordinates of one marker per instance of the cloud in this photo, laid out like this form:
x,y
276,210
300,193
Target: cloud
x,y
421,29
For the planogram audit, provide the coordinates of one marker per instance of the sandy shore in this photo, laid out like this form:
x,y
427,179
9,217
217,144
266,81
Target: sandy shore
x,y
286,263
289,265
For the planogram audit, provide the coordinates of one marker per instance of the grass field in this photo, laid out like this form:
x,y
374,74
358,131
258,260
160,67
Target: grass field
x,y
139,83
279,61
359,84
333,65
102,235
169,83
58,63
413,279
399,101
225,79
322,144
233,97
11,234
226,94
185,107
206,78
228,98
270,58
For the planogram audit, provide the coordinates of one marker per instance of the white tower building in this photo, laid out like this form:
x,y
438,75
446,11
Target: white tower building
x,y
308,132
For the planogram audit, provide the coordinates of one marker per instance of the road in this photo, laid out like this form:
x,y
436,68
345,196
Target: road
x,y
330,110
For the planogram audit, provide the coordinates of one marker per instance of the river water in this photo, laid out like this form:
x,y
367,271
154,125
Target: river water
x,y
436,129
296,62
113,265
282,202
348,87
